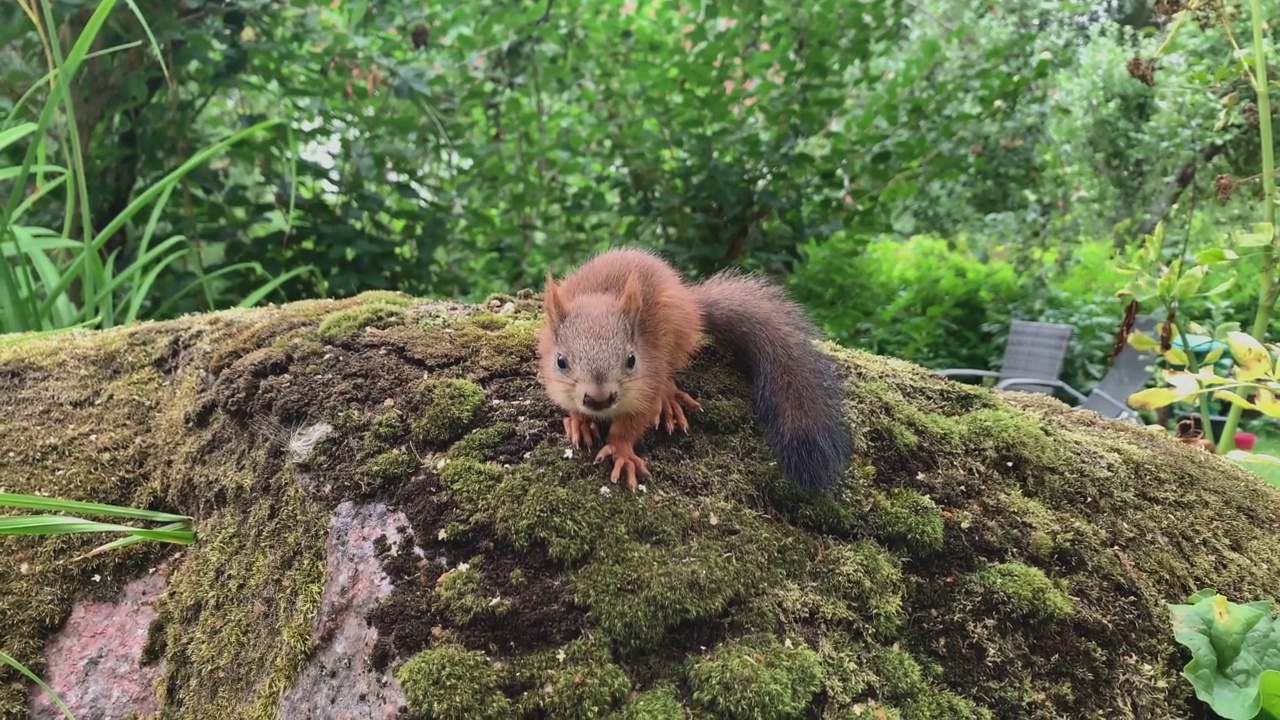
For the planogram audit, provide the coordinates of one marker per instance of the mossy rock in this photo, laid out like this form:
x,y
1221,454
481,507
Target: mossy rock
x,y
988,556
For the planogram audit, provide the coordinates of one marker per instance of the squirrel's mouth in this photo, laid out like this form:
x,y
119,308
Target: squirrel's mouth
x,y
598,404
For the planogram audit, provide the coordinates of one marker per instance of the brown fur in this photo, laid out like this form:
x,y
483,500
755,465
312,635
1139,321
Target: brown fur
x,y
627,302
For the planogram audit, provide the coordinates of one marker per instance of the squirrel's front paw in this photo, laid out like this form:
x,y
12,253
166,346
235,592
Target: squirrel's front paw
x,y
670,412
624,458
581,430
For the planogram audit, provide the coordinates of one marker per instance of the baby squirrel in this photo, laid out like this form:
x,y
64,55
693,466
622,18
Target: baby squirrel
x,y
619,327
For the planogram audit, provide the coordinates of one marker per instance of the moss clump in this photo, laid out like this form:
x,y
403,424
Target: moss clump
x,y
758,677
482,443
1004,435
343,323
1024,590
660,703
464,595
576,680
489,321
866,584
453,683
526,508
902,681
909,517
388,467
387,429
449,406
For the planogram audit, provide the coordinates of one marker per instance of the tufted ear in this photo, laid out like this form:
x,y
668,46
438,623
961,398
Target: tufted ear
x,y
632,300
553,303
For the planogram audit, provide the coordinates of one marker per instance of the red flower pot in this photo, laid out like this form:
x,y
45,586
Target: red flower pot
x,y
1245,441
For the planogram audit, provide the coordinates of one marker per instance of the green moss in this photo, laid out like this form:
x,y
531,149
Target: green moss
x,y
758,677
660,703
865,585
210,624
449,406
641,584
523,506
452,683
908,517
902,681
387,429
482,443
489,321
354,319
464,595
576,680
384,297
390,466
509,348
1003,435
1024,590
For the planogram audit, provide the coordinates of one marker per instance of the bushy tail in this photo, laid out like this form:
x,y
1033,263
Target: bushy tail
x,y
796,390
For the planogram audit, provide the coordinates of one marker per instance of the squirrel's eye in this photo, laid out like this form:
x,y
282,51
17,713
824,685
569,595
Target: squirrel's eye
x,y
631,361
562,362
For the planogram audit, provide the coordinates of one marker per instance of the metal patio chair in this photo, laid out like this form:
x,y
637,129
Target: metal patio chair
x,y
1033,357
1129,373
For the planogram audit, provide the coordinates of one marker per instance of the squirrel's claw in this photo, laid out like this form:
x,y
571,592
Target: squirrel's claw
x,y
670,412
624,458
581,430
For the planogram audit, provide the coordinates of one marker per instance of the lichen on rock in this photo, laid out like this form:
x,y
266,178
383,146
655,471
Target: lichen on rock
x,y
988,555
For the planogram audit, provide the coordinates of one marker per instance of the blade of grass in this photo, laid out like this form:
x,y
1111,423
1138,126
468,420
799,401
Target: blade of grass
x,y
9,660
67,525
36,502
123,542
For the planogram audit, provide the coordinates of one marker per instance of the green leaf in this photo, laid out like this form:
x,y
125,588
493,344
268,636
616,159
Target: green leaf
x,y
1231,644
1211,256
1220,287
1261,234
1269,690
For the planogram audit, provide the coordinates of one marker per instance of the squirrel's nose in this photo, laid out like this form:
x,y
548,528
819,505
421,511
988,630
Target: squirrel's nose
x,y
594,403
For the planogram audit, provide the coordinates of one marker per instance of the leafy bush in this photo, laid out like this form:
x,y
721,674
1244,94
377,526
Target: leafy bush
x,y
927,299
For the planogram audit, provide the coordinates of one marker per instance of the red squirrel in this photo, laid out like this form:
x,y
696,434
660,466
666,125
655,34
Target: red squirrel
x,y
619,328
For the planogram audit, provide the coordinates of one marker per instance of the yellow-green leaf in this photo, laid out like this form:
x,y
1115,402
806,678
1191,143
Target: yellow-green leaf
x,y
1214,355
1220,332
1266,402
1252,360
1234,399
1184,382
1143,342
1153,398
1175,356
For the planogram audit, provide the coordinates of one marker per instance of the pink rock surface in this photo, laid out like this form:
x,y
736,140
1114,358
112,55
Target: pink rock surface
x,y
339,682
92,663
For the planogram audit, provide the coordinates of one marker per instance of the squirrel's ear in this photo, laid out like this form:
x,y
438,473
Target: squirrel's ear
x,y
632,299
552,303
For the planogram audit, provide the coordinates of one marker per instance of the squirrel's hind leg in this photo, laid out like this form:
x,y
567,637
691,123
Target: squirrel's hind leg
x,y
669,411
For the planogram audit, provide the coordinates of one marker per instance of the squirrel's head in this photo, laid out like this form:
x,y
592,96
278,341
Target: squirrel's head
x,y
590,359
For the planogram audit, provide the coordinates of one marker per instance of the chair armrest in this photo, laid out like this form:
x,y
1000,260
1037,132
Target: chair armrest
x,y
1007,382
967,372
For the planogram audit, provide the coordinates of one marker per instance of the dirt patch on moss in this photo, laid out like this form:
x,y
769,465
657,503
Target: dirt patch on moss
x,y
988,556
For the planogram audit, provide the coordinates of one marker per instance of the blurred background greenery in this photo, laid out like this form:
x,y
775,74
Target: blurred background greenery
x,y
919,172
